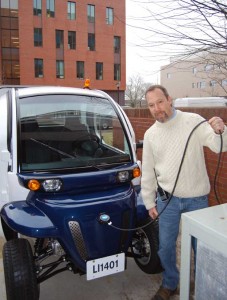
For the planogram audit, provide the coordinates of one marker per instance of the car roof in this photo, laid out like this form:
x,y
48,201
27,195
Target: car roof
x,y
25,91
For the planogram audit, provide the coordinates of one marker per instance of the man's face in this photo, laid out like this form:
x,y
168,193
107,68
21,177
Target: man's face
x,y
159,106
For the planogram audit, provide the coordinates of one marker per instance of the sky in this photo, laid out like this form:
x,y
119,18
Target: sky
x,y
140,60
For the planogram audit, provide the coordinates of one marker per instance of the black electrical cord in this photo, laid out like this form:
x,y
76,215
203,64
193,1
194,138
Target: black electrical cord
x,y
176,180
217,169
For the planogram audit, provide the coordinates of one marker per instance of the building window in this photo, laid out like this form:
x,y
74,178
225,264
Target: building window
x,y
91,13
213,83
109,16
194,70
99,71
71,10
201,84
208,68
168,75
50,6
9,38
193,85
9,8
10,70
59,38
224,82
117,44
60,69
117,72
38,67
37,7
71,39
38,37
91,41
80,69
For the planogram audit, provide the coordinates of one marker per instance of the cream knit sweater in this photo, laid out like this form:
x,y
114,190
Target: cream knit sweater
x,y
163,149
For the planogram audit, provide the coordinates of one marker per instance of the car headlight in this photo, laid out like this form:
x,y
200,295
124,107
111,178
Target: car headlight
x,y
52,185
49,185
123,176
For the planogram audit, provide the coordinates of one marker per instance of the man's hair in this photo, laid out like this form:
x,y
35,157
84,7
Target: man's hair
x,y
157,86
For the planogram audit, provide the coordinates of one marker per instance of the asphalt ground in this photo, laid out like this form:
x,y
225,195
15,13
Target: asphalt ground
x,y
132,284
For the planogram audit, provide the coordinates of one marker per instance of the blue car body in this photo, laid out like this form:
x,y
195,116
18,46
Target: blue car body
x,y
64,174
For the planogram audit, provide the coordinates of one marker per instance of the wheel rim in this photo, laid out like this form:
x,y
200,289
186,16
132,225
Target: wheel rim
x,y
141,246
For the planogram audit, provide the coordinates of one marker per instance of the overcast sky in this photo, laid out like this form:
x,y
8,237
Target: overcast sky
x,y
139,59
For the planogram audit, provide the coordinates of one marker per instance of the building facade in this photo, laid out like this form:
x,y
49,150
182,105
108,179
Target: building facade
x,y
50,42
201,76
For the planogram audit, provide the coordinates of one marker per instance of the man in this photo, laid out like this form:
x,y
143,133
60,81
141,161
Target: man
x,y
163,148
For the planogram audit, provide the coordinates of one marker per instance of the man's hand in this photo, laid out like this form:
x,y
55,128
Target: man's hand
x,y
153,213
217,124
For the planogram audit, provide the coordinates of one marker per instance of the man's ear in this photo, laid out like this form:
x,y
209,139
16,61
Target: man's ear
x,y
170,100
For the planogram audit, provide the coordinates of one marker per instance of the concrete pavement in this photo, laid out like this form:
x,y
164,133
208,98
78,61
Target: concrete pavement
x,y
132,284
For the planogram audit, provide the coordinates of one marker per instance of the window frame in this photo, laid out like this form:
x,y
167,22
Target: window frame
x,y
59,44
60,69
91,41
117,72
99,70
117,44
38,67
49,11
109,16
37,8
91,13
71,15
80,69
71,40
38,32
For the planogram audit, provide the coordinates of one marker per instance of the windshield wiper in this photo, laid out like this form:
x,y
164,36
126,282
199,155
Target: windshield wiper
x,y
53,149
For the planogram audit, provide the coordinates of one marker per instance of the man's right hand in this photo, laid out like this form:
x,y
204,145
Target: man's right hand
x,y
153,213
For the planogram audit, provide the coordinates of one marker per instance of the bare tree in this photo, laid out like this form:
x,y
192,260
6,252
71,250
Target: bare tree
x,y
191,25
182,28
135,90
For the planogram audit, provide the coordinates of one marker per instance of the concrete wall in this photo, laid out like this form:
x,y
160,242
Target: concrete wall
x,y
141,121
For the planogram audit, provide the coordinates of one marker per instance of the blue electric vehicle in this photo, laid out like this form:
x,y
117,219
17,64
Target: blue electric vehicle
x,y
69,188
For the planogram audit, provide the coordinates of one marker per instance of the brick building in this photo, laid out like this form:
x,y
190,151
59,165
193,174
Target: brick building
x,y
49,42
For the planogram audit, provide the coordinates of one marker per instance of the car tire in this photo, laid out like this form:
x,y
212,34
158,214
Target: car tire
x,y
145,245
19,268
8,232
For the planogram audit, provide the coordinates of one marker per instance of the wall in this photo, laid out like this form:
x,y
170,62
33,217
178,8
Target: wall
x,y
141,121
104,47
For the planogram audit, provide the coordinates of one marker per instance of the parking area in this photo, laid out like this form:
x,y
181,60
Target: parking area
x,y
132,284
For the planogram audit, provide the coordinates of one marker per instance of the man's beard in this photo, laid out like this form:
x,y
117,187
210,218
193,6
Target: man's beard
x,y
161,117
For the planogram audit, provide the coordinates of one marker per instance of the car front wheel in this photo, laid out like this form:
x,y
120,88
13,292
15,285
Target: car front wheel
x,y
145,248
19,269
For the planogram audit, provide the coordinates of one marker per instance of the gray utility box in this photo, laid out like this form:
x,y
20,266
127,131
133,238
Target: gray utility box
x,y
211,273
209,227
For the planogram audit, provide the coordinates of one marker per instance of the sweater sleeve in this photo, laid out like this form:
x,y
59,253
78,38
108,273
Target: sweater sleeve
x,y
148,181
212,140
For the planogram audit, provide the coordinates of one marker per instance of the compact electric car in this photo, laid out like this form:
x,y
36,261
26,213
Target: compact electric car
x,y
70,192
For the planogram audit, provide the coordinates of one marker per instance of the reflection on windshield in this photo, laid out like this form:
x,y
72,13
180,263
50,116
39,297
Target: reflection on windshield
x,y
70,131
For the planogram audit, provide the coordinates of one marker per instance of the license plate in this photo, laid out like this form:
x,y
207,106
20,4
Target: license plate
x,y
105,266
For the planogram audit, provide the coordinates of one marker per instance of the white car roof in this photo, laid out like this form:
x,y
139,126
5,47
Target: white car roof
x,y
40,90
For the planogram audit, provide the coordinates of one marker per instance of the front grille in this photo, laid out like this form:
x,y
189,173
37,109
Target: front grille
x,y
78,238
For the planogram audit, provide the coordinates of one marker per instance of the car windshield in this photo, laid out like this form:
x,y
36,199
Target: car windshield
x,y
70,132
